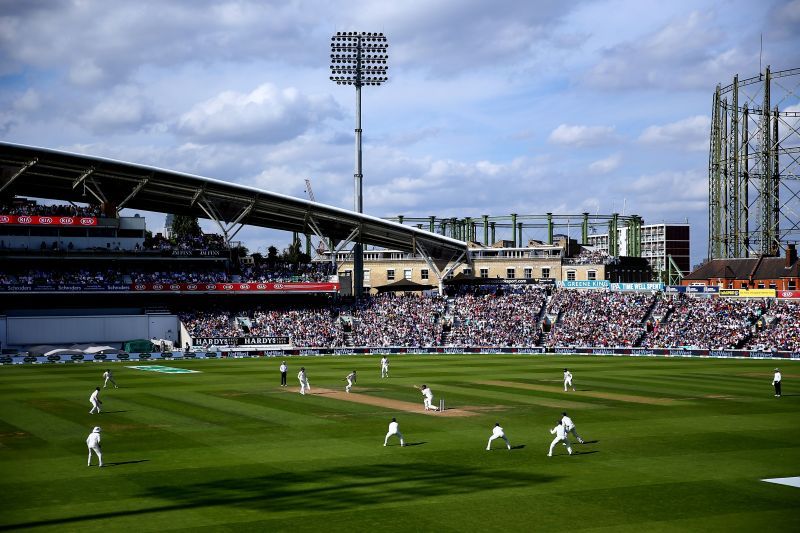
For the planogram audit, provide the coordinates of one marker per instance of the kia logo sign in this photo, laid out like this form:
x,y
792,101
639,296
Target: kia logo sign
x,y
77,357
25,220
5,219
67,221
227,287
244,286
45,220
278,286
87,221
261,286
192,287
157,287
211,286
175,287
140,287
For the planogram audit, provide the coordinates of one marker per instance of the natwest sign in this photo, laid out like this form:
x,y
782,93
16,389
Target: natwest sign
x,y
48,221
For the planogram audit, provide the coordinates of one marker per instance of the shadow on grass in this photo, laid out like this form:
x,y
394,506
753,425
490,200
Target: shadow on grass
x,y
112,412
585,453
416,443
120,463
590,442
329,489
518,447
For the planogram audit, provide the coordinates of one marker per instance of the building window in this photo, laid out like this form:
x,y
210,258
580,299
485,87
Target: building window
x,y
510,273
528,273
467,271
424,274
390,274
761,285
546,272
484,272
591,274
772,285
792,285
366,278
406,273
570,275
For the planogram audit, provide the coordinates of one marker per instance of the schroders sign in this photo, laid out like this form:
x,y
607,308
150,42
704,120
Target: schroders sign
x,y
30,220
236,287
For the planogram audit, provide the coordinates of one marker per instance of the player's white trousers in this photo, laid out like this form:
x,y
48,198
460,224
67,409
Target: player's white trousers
x,y
97,452
564,441
493,437
576,435
567,382
95,406
400,436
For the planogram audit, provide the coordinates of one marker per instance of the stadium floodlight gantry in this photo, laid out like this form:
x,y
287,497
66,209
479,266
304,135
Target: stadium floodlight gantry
x,y
358,59
114,185
754,165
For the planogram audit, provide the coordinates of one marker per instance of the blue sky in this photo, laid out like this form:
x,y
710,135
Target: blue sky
x,y
491,108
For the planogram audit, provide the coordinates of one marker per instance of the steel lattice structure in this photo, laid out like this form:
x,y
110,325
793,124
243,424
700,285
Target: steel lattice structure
x,y
754,165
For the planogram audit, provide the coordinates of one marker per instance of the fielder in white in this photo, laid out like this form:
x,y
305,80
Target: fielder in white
x,y
569,426
108,376
561,436
394,429
568,380
427,398
384,367
497,433
93,443
350,378
94,399
303,379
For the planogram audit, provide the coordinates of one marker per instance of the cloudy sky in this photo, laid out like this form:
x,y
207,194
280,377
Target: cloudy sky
x,y
492,107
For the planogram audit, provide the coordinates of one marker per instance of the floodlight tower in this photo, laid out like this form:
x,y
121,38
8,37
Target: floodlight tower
x,y
358,58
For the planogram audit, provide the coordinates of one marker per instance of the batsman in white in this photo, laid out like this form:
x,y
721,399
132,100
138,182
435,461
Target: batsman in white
x,y
497,433
394,429
427,398
94,399
93,443
350,378
568,380
303,379
561,436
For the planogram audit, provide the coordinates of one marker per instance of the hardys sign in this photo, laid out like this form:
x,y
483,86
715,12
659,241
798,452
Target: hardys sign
x,y
240,341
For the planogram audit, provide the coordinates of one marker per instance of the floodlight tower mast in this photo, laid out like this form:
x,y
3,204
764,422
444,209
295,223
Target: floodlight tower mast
x,y
358,58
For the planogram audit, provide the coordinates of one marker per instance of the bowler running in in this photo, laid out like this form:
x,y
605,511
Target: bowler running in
x,y
568,380
351,379
303,379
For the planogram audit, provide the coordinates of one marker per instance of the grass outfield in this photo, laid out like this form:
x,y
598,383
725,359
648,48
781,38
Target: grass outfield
x,y
680,444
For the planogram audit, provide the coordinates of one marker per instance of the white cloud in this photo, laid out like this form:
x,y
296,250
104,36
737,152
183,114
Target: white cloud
x,y
604,166
29,101
85,72
125,109
690,133
581,135
265,115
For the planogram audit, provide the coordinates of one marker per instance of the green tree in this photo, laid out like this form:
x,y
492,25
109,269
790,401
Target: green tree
x,y
185,227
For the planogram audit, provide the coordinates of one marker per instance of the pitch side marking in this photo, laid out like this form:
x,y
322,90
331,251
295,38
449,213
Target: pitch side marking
x,y
164,369
788,481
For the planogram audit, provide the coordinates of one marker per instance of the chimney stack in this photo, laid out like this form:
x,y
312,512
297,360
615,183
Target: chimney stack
x,y
791,254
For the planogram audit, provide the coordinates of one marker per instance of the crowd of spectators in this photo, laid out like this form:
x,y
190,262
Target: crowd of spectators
x,y
285,272
505,318
710,323
393,320
589,256
204,241
511,318
196,273
32,208
597,318
780,329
